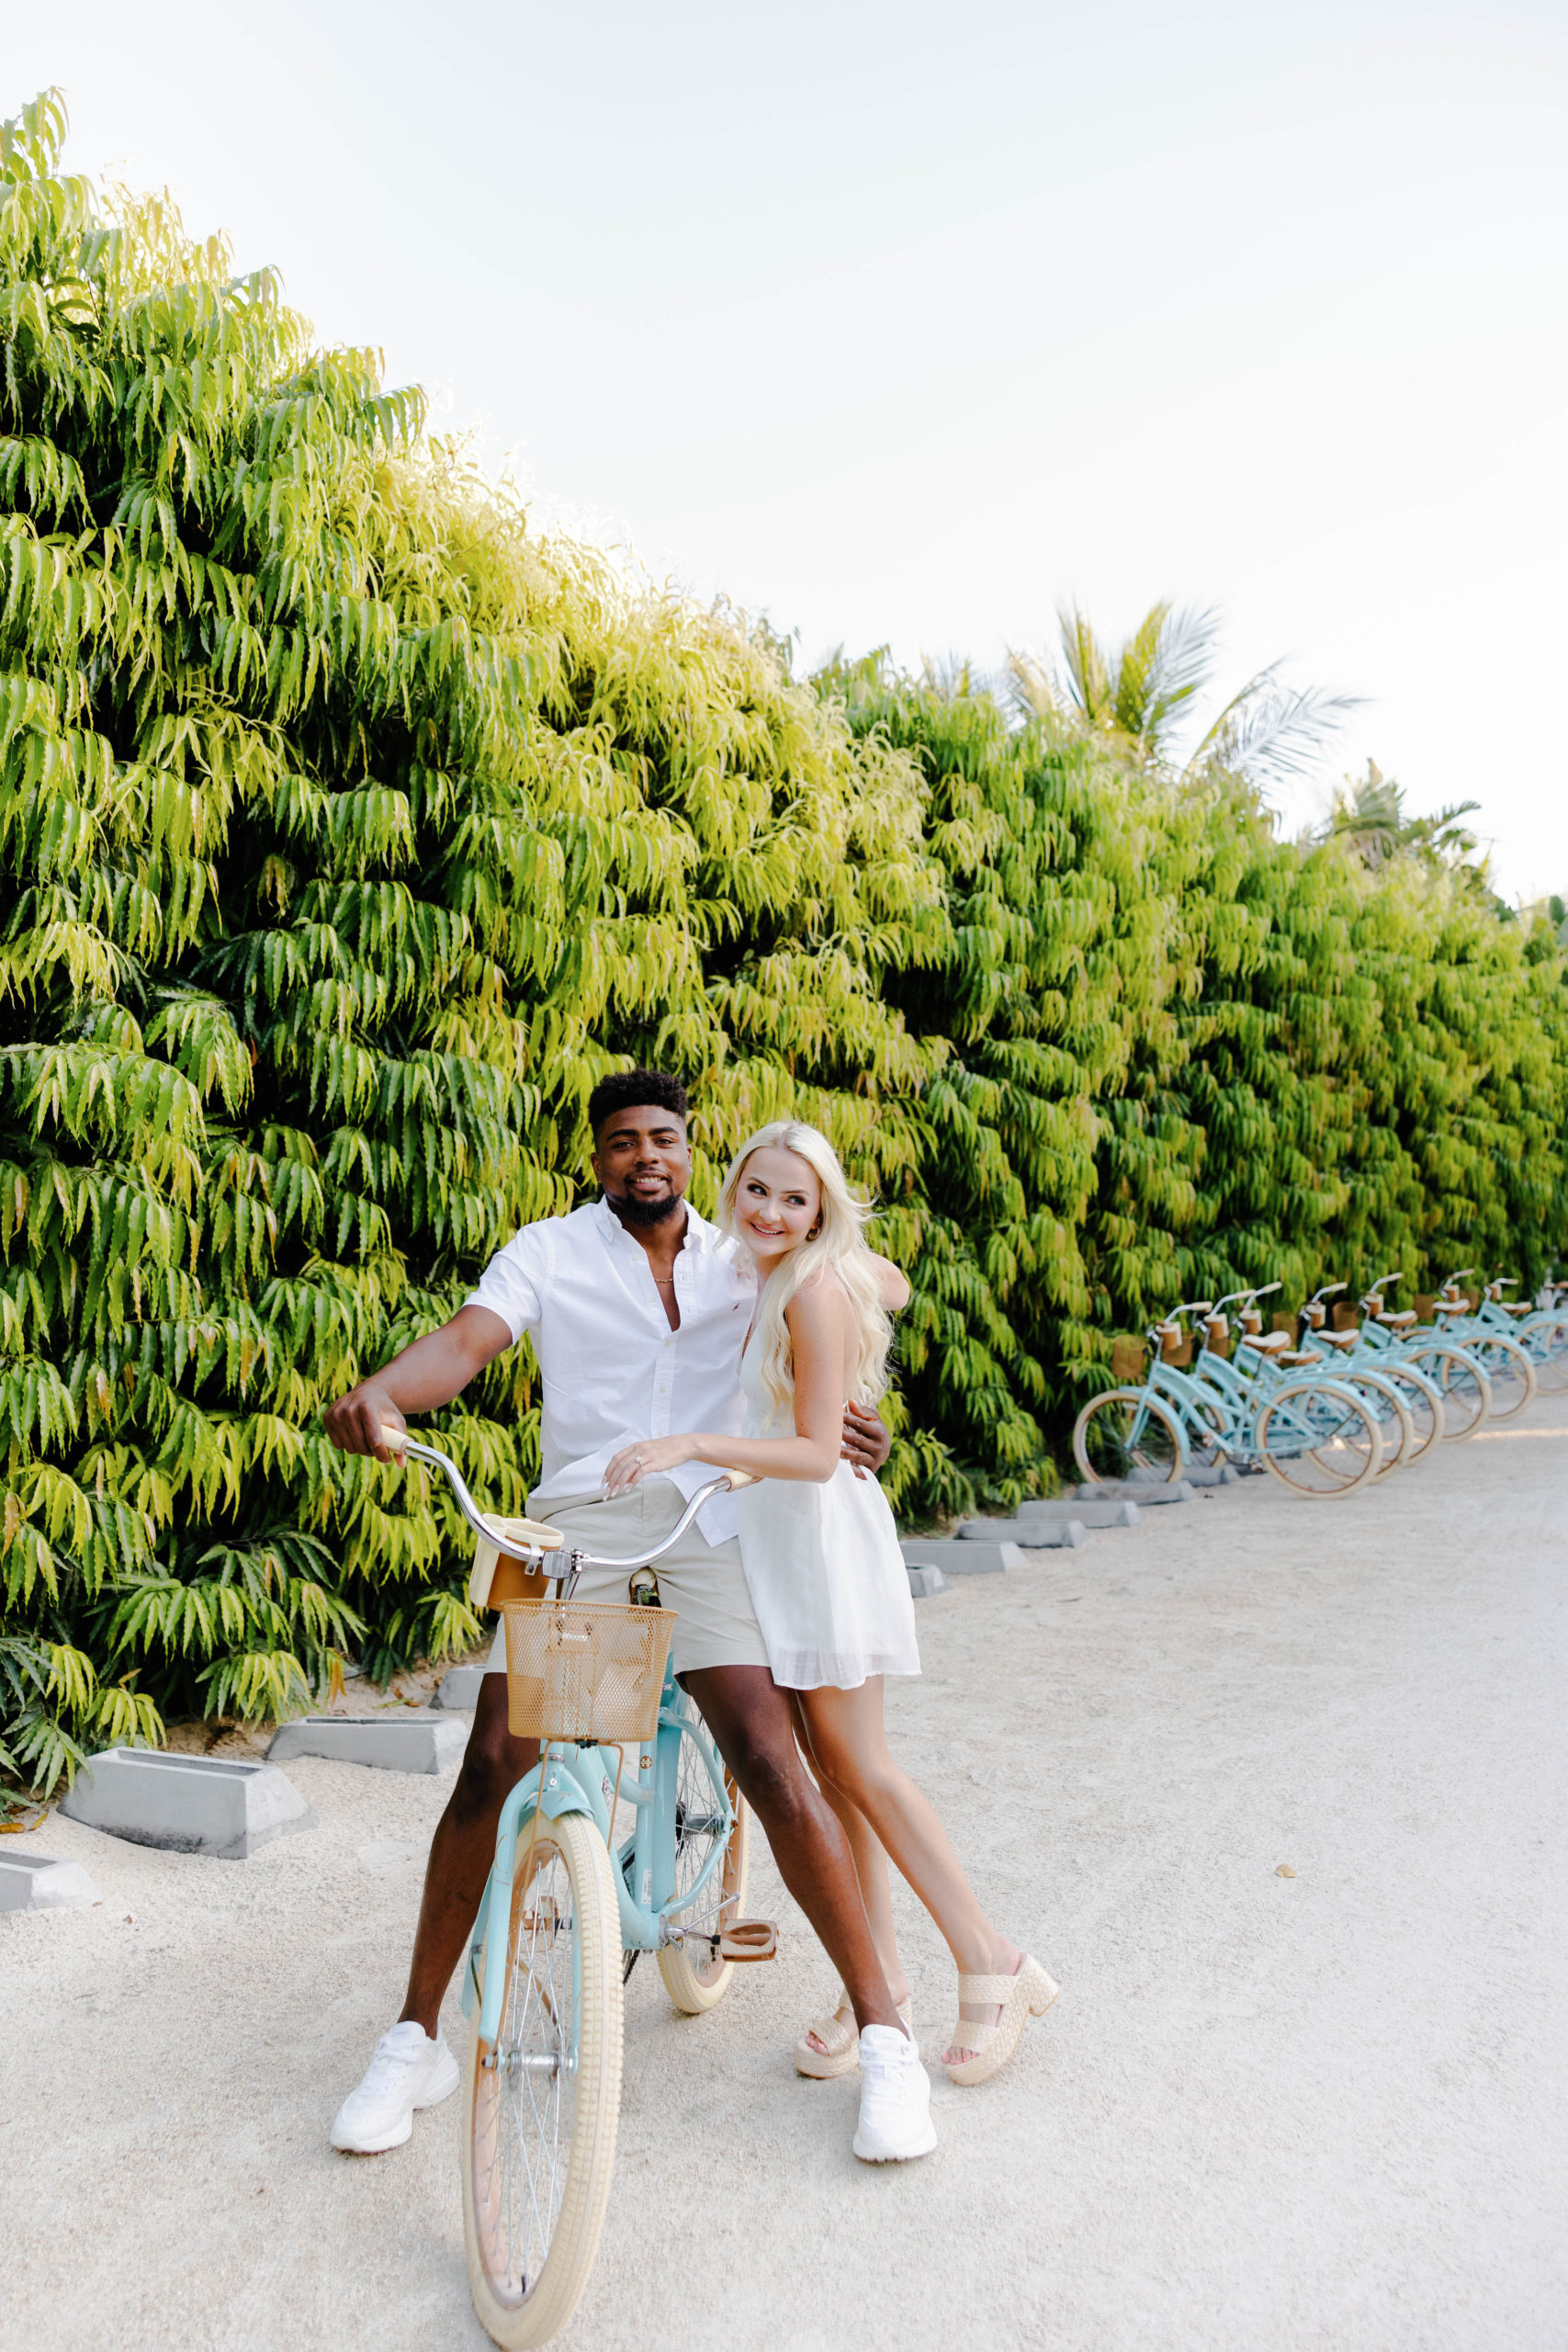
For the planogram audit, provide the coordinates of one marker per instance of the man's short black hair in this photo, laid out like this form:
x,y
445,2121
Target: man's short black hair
x,y
632,1090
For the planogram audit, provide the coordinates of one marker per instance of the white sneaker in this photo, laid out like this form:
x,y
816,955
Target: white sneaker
x,y
895,2098
409,2070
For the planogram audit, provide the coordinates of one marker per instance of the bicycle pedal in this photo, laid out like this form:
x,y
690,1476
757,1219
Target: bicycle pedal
x,y
749,1940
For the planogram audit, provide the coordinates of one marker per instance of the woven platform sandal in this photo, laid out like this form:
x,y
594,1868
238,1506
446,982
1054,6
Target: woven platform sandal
x,y
1028,1995
839,2037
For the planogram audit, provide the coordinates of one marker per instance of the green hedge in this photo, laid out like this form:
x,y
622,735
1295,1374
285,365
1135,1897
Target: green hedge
x,y
350,829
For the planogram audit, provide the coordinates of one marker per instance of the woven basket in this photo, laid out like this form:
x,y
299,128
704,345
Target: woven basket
x,y
579,1670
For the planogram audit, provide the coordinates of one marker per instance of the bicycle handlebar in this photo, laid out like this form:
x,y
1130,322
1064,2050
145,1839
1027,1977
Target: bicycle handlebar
x,y
530,1535
1326,1292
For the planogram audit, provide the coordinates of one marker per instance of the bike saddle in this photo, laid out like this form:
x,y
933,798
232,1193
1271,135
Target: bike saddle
x,y
1267,1343
1336,1338
1401,1322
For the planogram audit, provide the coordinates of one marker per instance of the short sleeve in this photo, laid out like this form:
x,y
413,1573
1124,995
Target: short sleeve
x,y
512,1286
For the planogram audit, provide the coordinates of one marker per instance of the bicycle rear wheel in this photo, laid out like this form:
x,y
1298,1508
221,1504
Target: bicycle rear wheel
x,y
695,1977
1424,1404
1391,1414
1317,1441
1508,1368
544,2103
1464,1388
1547,1343
1126,1433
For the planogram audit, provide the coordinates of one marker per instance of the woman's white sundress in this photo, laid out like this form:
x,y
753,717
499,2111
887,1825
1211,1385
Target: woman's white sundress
x,y
826,1578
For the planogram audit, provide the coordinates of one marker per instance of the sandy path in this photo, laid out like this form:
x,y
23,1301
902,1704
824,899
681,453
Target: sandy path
x,y
1325,2111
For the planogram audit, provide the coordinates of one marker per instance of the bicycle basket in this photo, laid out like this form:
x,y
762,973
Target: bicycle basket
x,y
579,1670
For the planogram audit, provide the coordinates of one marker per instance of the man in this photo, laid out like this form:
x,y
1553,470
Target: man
x,y
638,1311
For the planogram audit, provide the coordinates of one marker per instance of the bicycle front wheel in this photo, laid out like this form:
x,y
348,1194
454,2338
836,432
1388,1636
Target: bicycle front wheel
x,y
1126,1433
543,2101
1319,1442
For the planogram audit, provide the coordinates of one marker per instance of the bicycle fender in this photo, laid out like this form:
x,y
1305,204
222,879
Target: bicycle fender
x,y
559,1785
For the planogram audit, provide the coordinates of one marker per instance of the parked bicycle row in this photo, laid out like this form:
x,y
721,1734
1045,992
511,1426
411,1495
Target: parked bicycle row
x,y
1326,1401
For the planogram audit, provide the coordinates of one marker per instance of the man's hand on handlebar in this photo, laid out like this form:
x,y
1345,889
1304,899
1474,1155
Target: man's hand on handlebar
x,y
866,1442
355,1422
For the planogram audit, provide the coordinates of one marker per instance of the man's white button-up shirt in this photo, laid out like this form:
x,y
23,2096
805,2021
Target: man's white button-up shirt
x,y
613,1371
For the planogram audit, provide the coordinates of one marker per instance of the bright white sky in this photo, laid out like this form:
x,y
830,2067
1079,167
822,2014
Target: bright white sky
x,y
903,323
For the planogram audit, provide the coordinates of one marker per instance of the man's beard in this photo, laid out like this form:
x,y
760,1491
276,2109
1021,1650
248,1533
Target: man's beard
x,y
632,1211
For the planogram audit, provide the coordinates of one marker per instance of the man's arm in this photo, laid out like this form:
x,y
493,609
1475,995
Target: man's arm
x,y
866,1442
430,1373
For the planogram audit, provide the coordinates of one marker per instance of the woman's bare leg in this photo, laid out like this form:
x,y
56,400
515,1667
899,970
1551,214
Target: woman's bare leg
x,y
871,1869
849,1750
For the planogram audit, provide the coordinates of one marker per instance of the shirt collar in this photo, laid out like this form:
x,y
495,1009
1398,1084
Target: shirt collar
x,y
700,1235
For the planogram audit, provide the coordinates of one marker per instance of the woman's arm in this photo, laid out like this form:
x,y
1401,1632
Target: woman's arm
x,y
818,1319
895,1290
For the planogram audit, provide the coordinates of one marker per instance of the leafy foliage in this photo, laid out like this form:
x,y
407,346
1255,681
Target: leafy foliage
x,y
350,831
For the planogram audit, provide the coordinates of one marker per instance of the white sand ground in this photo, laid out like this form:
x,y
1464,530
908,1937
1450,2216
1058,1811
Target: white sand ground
x,y
1267,2114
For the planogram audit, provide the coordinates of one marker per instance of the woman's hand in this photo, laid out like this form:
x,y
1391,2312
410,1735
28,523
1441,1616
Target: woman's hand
x,y
645,1459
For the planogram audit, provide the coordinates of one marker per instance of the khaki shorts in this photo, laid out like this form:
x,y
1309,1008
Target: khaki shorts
x,y
703,1583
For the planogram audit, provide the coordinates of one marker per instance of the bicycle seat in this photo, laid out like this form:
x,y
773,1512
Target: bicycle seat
x,y
1297,1355
1450,1307
1515,1307
1336,1338
1267,1343
1400,1322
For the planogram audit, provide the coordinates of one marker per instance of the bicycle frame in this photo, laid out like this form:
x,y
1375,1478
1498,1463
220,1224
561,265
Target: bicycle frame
x,y
574,1778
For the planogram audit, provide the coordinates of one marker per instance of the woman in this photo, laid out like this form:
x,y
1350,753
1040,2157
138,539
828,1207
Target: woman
x,y
826,1577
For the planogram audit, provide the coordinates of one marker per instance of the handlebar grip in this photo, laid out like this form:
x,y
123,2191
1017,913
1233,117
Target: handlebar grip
x,y
393,1439
738,1478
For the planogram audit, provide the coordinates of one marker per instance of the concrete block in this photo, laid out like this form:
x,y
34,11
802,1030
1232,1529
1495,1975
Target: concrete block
x,y
459,1687
389,1742
40,1882
969,1560
926,1581
960,1559
1143,1492
1224,1474
1034,1521
191,1805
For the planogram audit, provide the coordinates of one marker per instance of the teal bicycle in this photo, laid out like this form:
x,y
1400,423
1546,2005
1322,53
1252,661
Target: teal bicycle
x,y
1312,1431
572,1904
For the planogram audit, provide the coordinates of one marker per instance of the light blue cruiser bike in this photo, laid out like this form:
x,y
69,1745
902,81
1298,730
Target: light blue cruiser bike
x,y
1312,1431
570,1906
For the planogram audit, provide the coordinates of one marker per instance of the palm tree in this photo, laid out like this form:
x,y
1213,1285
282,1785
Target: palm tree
x,y
1139,696
1368,814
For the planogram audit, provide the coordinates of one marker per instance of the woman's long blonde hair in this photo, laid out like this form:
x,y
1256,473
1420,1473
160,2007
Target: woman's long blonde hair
x,y
835,1245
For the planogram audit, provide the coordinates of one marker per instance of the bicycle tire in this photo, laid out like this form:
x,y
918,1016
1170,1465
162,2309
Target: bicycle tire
x,y
537,2164
1463,1386
1395,1455
1160,1461
1425,1402
696,1986
1509,1370
1294,1453
1548,1346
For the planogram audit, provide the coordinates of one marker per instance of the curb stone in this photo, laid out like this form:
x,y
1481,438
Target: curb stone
x,y
407,1743
43,1883
187,1804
